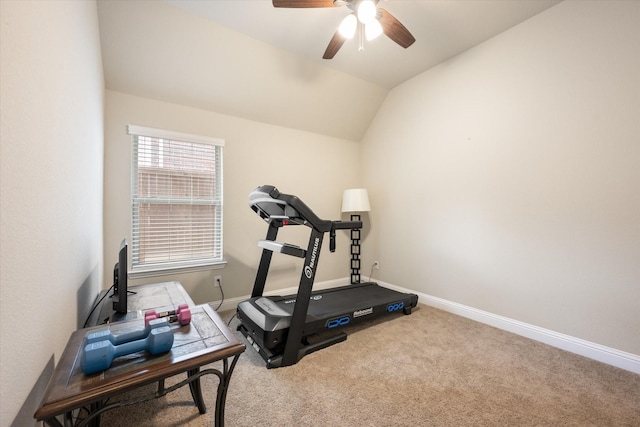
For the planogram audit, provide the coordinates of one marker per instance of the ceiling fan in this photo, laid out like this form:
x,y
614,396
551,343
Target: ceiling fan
x,y
365,18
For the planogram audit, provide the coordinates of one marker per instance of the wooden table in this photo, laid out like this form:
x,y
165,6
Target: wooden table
x,y
205,340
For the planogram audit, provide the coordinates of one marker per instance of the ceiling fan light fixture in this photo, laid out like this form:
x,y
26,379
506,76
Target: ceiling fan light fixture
x,y
348,26
366,11
373,29
365,18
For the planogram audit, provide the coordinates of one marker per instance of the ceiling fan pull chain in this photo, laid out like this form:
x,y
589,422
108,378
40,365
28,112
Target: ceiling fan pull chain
x,y
360,36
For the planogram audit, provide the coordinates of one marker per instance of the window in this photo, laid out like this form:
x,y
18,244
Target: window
x,y
176,221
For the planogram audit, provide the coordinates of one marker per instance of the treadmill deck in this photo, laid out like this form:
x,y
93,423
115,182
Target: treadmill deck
x,y
267,319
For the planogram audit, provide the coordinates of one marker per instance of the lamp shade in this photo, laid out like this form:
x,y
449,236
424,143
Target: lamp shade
x,y
355,200
367,11
348,26
373,29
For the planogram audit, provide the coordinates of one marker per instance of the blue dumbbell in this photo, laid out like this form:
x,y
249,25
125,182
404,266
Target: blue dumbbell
x,y
99,355
138,334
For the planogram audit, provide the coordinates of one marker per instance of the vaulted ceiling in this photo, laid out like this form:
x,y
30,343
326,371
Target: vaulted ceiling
x,y
249,59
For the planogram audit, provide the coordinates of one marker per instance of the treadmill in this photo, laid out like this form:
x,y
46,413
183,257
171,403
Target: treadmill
x,y
283,329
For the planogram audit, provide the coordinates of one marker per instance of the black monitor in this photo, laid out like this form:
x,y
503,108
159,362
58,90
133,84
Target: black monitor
x,y
120,280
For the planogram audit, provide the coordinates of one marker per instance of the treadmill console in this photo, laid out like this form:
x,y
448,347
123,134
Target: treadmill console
x,y
272,205
266,203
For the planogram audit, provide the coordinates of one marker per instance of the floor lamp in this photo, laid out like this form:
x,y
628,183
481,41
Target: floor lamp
x,y
355,200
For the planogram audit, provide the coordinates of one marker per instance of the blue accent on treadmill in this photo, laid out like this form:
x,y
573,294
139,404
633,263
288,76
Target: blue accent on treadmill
x,y
395,307
341,321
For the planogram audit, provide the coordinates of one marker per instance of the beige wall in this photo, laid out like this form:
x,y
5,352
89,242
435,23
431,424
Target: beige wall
x,y
51,140
508,178
316,168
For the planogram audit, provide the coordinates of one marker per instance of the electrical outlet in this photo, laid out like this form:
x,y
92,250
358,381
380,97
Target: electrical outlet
x,y
217,281
376,265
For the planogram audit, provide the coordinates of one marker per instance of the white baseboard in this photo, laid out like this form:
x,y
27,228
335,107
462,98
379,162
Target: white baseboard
x,y
610,356
601,353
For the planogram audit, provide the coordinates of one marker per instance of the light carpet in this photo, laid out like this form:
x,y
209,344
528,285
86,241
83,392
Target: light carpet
x,y
430,368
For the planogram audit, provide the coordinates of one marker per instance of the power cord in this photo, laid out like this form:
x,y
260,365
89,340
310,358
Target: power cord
x,y
232,317
219,282
371,272
96,305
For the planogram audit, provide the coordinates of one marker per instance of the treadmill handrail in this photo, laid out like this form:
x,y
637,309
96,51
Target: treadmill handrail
x,y
283,248
347,225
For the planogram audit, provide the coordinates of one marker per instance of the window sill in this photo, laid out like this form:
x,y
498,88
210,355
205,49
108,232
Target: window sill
x,y
154,271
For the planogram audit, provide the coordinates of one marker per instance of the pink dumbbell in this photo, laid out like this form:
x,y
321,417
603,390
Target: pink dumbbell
x,y
181,315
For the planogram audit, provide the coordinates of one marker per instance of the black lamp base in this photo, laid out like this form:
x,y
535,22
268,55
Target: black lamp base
x,y
355,251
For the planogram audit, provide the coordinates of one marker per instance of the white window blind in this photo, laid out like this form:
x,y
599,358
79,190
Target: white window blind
x,y
176,201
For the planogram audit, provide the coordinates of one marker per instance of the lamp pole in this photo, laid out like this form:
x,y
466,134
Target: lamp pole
x,y
354,201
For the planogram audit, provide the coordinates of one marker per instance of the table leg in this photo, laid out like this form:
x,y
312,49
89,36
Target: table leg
x,y
196,391
95,422
53,422
223,387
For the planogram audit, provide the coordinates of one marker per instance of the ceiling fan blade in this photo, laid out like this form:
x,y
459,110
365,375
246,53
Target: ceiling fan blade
x,y
394,29
303,3
334,46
